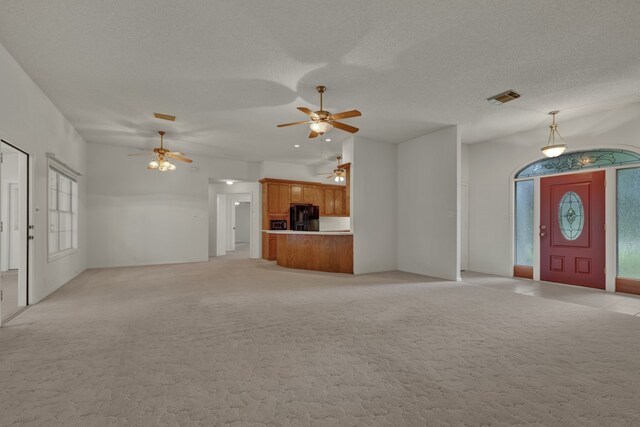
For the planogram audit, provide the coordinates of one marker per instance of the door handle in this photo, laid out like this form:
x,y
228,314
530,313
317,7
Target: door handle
x,y
542,232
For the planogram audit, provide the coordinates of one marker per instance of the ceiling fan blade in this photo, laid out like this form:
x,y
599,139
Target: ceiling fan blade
x,y
331,176
175,157
313,134
292,124
345,127
308,112
176,153
346,114
141,154
323,173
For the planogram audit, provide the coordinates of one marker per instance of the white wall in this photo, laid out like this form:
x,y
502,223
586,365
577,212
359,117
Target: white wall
x,y
296,172
243,222
374,181
492,165
335,223
428,204
29,120
140,217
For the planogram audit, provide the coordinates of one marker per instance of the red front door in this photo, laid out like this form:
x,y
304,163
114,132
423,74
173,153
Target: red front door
x,y
572,235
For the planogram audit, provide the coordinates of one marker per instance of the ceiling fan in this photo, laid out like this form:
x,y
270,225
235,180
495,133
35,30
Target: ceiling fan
x,y
339,174
160,155
323,121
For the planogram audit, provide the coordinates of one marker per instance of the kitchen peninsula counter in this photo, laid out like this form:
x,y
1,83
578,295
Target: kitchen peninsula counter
x,y
315,233
330,251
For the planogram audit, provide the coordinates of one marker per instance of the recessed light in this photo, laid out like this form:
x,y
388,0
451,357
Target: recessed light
x,y
296,146
328,139
237,203
229,182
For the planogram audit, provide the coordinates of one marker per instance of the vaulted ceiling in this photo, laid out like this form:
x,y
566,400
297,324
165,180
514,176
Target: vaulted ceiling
x,y
232,70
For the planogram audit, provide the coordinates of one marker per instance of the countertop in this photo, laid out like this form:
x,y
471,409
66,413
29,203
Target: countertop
x,y
315,233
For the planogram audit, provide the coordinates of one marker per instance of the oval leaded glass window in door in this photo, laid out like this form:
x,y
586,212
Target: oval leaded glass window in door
x,y
571,215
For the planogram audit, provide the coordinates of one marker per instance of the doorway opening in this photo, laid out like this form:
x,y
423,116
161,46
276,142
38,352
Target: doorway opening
x,y
236,225
14,240
241,228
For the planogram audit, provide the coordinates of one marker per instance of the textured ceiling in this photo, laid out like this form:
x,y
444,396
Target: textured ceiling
x,y
232,70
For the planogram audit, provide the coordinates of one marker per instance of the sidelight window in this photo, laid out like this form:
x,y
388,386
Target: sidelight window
x,y
629,223
524,223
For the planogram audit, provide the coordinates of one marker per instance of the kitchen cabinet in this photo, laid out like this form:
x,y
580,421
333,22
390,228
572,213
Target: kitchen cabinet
x,y
277,199
308,193
338,202
329,202
296,194
279,194
318,199
283,199
273,247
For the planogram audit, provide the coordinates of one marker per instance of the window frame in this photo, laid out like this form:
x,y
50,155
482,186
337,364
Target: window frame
x,y
60,170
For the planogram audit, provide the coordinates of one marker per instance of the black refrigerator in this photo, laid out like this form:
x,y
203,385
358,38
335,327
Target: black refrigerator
x,y
304,218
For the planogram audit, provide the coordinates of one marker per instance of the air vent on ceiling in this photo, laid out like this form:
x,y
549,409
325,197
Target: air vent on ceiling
x,y
164,117
504,97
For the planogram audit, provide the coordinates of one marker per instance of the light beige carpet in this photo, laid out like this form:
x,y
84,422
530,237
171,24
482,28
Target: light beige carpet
x,y
9,286
243,342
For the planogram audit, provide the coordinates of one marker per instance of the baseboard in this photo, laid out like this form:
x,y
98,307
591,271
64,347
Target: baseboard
x,y
628,286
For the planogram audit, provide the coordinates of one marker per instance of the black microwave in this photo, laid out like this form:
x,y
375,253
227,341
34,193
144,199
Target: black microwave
x,y
278,224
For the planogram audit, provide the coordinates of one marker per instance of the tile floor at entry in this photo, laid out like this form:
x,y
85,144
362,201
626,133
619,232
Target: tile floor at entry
x,y
588,297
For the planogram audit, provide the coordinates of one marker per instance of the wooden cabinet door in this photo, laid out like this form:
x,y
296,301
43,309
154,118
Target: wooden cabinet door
x,y
329,202
273,247
338,201
283,199
296,193
308,194
273,193
318,198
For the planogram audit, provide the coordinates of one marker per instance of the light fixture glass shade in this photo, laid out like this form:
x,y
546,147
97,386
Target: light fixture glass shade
x,y
339,178
554,150
321,127
165,166
153,164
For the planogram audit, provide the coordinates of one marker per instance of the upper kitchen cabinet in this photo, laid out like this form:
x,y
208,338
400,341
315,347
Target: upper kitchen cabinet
x,y
308,194
296,193
338,202
279,194
277,198
329,202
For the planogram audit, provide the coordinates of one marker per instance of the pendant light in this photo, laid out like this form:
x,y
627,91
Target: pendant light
x,y
552,149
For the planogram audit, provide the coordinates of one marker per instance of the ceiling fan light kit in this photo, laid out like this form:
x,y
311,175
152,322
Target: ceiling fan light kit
x,y
552,149
339,174
161,155
321,121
